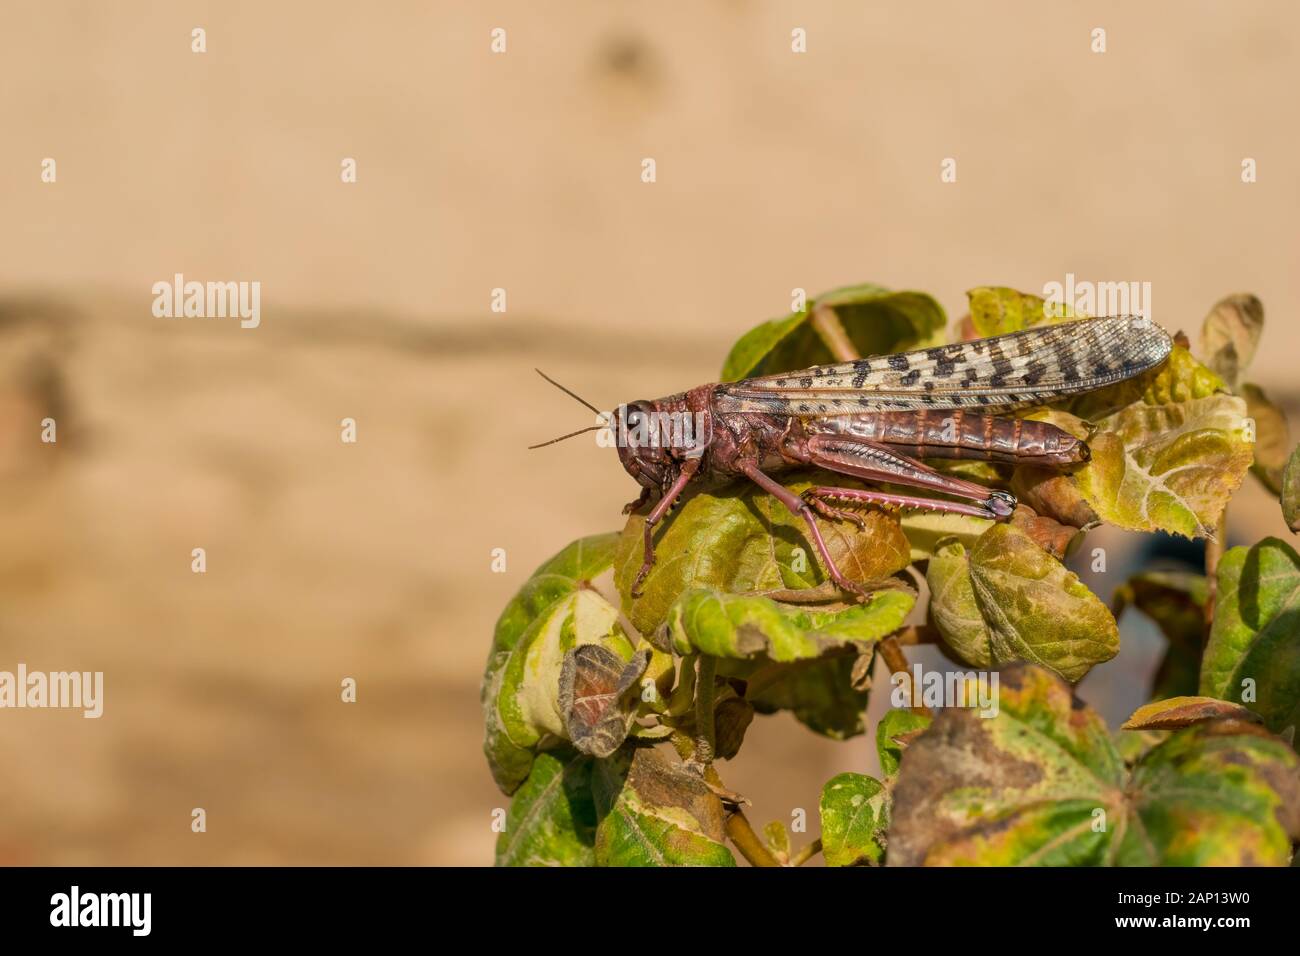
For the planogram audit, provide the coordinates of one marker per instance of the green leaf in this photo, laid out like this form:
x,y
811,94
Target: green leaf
x,y
1168,467
553,612
783,647
877,322
819,693
1042,784
742,540
855,816
997,310
894,724
926,529
1133,745
1230,335
552,818
777,839
656,813
1253,655
741,626
1176,602
1009,600
1291,491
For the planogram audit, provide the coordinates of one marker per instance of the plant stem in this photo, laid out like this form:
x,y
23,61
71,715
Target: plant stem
x,y
915,634
704,740
744,838
807,853
1213,552
831,331
897,663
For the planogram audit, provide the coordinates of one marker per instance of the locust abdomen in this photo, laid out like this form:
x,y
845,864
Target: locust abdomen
x,y
953,433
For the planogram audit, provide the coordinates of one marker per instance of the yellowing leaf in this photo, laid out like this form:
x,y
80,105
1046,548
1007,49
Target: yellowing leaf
x,y
1169,467
1179,379
997,310
1008,600
656,813
1042,784
742,540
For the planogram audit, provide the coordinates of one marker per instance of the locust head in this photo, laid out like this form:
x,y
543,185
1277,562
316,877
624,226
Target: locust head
x,y
645,448
656,440
641,450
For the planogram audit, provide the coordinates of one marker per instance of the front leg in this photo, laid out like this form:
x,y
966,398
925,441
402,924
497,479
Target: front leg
x,y
691,466
633,506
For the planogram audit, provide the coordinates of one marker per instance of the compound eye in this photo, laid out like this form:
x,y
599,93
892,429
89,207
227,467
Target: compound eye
x,y
634,419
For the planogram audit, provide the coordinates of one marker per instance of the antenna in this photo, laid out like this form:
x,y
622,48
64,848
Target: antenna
x,y
579,398
567,392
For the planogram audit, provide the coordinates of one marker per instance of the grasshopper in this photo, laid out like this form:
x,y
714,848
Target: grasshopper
x,y
873,419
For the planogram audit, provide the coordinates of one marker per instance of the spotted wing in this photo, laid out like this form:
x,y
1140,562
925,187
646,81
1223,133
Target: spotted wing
x,y
1031,367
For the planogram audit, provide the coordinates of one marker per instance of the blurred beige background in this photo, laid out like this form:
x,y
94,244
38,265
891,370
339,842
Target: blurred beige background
x,y
475,171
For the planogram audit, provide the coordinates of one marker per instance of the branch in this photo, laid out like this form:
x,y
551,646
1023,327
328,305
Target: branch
x,y
897,662
745,839
915,634
807,853
1213,552
704,692
831,331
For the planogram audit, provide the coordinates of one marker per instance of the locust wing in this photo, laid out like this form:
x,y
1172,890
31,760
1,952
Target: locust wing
x,y
1031,367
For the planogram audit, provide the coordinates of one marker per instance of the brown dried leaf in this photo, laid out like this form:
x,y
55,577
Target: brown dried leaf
x,y
1054,495
730,721
595,687
1178,712
1272,437
1048,533
1230,335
